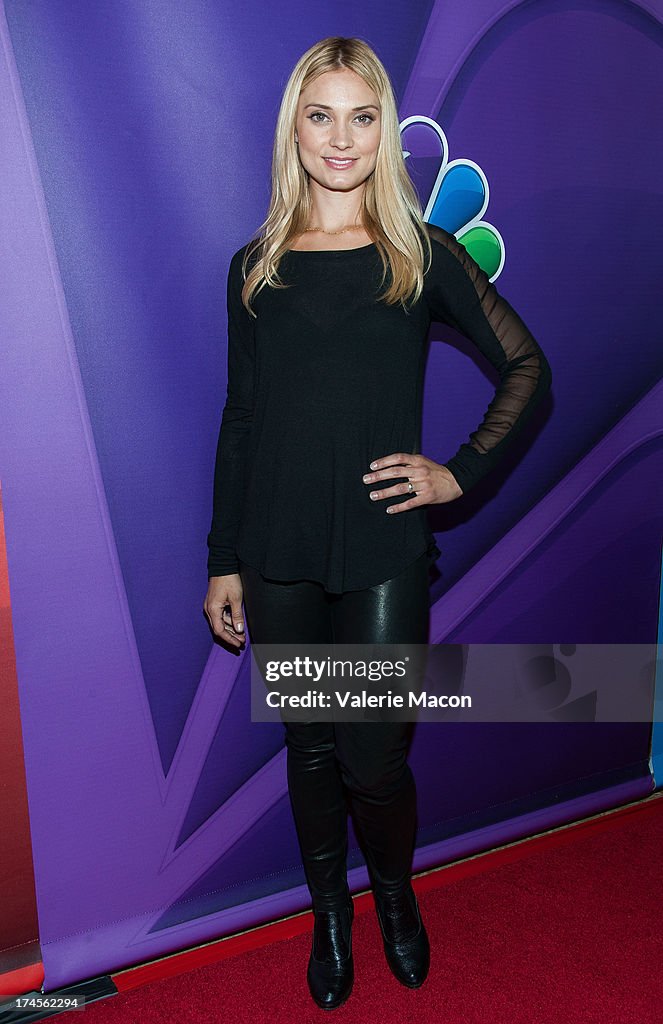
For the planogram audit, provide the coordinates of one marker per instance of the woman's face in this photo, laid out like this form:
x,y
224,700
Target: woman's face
x,y
338,127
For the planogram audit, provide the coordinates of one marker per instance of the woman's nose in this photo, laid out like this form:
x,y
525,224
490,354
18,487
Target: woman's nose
x,y
342,137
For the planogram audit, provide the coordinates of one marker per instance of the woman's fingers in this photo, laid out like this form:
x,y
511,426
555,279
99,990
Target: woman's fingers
x,y
416,474
399,488
418,496
223,608
228,630
213,611
397,464
432,483
234,618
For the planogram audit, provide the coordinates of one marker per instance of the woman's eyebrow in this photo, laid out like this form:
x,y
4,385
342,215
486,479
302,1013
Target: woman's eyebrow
x,y
326,106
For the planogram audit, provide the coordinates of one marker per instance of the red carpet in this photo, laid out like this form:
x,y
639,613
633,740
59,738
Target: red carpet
x,y
565,927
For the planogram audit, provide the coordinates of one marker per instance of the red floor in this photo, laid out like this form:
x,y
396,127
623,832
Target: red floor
x,y
565,927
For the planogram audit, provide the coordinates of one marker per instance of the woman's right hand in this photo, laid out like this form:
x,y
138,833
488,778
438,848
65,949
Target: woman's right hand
x,y
224,591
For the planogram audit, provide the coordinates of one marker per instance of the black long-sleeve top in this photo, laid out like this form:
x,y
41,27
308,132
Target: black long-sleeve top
x,y
327,379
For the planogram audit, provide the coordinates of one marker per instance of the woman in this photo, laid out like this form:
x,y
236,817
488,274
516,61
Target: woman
x,y
319,524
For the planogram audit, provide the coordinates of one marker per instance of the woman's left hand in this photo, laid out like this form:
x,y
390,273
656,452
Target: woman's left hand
x,y
433,484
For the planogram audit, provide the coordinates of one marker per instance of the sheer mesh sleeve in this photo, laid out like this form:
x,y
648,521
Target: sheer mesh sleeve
x,y
231,463
459,293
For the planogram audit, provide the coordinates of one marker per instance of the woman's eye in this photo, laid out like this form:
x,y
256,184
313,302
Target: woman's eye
x,y
318,113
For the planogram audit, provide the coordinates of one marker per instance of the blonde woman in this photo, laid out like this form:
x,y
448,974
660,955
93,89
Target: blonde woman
x,y
319,525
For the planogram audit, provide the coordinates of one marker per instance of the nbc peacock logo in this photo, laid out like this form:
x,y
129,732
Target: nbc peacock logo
x,y
458,193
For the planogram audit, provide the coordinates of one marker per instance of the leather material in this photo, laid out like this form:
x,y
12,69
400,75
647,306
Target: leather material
x,y
330,973
332,763
404,937
320,812
385,823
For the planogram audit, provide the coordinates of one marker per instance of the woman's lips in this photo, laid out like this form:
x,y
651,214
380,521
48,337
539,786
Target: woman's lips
x,y
339,165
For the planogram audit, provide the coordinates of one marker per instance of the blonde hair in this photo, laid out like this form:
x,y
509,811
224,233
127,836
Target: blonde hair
x,y
390,212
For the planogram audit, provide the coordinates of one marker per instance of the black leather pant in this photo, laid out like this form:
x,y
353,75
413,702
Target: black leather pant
x,y
365,761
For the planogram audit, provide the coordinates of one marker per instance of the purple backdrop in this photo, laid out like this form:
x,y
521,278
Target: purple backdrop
x,y
136,146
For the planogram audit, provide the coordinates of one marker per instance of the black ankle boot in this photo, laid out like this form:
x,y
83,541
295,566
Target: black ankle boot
x,y
330,972
404,936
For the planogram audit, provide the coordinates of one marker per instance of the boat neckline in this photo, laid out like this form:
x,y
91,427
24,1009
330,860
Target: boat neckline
x,y
333,252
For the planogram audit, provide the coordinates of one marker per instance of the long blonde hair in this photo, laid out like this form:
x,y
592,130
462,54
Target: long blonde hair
x,y
390,212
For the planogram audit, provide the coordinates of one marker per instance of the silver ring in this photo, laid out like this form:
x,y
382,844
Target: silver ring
x,y
410,486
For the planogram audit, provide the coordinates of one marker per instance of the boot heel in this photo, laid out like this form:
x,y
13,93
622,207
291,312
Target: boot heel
x,y
330,973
